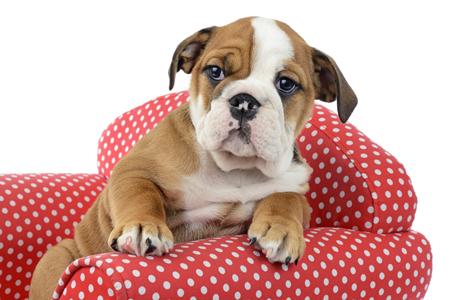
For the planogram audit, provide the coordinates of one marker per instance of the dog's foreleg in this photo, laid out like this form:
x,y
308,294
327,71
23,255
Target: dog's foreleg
x,y
138,217
277,226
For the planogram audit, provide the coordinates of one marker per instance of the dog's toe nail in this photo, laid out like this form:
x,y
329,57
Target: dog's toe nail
x,y
268,252
296,261
288,260
166,248
128,240
151,247
114,245
252,241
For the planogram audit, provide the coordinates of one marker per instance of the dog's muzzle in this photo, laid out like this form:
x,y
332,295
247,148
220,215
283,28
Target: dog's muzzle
x,y
244,107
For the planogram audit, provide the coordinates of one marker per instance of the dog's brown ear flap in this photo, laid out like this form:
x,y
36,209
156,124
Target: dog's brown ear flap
x,y
330,85
187,53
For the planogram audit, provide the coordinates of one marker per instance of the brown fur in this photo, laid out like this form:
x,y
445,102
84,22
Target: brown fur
x,y
281,217
232,54
145,189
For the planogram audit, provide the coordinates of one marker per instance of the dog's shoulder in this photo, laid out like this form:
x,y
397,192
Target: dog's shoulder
x,y
164,155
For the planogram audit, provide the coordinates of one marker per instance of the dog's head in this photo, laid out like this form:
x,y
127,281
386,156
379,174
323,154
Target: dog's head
x,y
253,88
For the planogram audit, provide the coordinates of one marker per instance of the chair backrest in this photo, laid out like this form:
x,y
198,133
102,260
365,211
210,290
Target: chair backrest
x,y
126,130
355,183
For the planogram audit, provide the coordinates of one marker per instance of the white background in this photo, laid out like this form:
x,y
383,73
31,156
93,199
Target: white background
x,y
69,68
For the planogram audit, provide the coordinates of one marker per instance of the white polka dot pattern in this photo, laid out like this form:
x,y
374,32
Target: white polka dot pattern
x,y
38,211
122,134
358,189
355,183
338,264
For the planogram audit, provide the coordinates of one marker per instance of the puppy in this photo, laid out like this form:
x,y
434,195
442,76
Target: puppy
x,y
226,162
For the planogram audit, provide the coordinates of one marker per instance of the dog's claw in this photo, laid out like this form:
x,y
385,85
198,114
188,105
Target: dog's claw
x,y
166,248
114,245
288,260
252,241
151,247
268,252
296,261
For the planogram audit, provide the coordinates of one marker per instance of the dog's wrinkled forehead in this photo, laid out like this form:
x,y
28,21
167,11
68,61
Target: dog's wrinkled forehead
x,y
272,48
255,47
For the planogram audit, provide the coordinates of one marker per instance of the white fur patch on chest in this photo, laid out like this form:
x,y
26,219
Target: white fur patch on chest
x,y
208,193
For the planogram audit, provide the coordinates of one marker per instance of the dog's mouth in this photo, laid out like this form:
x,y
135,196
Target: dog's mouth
x,y
260,142
261,136
243,133
239,141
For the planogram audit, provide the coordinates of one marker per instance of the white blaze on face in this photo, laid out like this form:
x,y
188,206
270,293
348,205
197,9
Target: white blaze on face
x,y
273,47
268,140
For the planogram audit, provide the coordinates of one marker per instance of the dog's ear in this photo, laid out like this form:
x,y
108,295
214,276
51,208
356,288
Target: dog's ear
x,y
330,85
187,53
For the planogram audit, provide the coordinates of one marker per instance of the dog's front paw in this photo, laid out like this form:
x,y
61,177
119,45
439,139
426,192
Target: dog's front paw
x,y
142,238
280,239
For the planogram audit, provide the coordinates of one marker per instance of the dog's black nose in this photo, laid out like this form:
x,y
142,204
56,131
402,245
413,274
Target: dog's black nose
x,y
244,101
244,107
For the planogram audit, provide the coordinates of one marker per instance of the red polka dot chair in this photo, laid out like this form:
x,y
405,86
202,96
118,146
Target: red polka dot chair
x,y
359,244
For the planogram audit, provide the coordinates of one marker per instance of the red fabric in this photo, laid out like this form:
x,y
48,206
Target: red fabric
x,y
338,264
355,184
359,191
37,212
122,134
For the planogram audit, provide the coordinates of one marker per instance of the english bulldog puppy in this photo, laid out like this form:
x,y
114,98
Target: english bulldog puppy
x,y
224,163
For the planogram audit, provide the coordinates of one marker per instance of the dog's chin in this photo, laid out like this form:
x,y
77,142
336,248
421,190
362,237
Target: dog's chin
x,y
239,144
228,161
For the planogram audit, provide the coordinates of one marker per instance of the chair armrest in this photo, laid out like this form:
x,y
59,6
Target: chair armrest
x,y
38,211
355,183
364,266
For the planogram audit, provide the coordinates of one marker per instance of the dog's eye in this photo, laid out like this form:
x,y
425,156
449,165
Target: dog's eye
x,y
216,73
286,85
